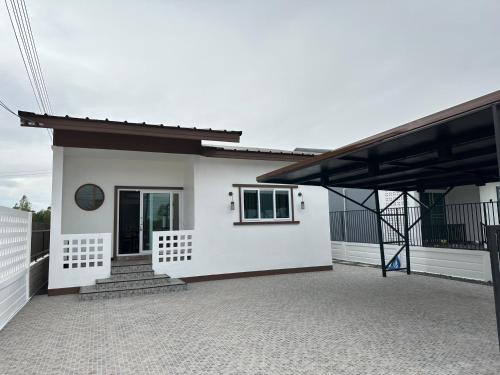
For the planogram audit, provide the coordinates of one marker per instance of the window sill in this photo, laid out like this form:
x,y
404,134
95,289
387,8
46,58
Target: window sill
x,y
264,222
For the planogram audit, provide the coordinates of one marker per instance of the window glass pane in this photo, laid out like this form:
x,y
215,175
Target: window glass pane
x,y
282,204
250,204
89,197
266,204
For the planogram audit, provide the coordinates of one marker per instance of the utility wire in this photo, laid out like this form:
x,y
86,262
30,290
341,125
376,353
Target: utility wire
x,y
22,56
37,60
25,41
6,107
25,174
3,105
20,22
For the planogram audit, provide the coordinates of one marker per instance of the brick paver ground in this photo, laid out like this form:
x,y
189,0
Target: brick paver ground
x,y
349,321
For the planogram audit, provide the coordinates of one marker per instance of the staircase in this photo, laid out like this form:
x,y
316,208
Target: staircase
x,y
131,276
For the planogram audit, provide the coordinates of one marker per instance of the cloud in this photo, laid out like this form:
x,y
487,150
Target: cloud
x,y
286,73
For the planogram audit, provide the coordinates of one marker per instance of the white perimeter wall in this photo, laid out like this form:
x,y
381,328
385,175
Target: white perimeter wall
x,y
222,247
15,256
468,264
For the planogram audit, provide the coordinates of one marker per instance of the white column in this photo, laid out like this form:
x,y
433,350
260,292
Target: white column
x,y
55,260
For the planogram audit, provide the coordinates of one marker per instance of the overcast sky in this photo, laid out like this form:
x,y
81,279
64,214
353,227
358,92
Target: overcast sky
x,y
287,73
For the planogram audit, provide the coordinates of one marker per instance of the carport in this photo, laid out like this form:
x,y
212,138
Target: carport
x,y
454,147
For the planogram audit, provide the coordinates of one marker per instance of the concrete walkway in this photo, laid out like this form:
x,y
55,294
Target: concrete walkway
x,y
349,321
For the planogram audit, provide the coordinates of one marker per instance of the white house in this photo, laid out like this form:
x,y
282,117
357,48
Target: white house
x,y
140,192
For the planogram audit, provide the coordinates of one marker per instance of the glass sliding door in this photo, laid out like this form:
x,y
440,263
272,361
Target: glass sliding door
x,y
129,204
160,212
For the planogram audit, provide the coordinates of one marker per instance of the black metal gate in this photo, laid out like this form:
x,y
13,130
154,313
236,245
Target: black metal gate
x,y
493,235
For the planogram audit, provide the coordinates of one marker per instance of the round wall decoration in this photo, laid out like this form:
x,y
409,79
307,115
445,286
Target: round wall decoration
x,y
89,197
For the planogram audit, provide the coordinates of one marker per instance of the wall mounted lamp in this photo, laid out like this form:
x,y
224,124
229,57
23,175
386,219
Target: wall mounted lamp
x,y
232,200
302,204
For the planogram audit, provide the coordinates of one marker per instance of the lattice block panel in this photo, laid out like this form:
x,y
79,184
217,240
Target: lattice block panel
x,y
174,246
15,234
83,251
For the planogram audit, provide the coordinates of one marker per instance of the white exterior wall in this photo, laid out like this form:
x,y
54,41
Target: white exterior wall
x,y
221,246
488,192
110,168
467,264
226,248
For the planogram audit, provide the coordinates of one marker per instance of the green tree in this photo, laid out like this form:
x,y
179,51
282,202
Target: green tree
x,y
24,204
42,217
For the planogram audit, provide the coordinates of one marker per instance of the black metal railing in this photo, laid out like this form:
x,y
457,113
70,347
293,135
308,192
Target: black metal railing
x,y
461,226
40,241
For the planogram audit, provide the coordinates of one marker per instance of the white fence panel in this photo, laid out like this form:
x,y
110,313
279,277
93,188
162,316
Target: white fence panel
x,y
174,252
467,264
15,255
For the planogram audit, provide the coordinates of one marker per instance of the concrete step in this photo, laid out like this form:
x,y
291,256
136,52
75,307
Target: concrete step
x,y
130,262
132,257
127,268
111,284
129,276
166,285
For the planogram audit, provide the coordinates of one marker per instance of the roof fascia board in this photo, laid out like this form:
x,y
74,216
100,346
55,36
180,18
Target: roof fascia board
x,y
113,127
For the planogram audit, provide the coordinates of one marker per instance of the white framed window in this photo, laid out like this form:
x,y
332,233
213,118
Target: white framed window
x,y
261,204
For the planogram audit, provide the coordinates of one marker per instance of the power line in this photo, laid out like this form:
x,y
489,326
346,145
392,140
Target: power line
x,y
26,41
6,107
21,26
22,56
25,10
25,174
26,44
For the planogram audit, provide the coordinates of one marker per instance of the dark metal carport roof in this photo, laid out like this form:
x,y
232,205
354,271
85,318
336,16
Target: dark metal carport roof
x,y
452,147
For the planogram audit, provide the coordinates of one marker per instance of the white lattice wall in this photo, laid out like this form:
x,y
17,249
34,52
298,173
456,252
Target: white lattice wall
x,y
173,252
80,259
83,251
15,250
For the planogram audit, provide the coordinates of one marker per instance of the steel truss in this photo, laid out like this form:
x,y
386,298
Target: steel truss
x,y
382,215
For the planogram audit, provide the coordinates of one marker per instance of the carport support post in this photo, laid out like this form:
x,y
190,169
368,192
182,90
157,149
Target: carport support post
x,y
494,254
407,233
380,234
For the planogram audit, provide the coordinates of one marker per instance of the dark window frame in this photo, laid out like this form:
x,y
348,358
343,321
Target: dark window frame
x,y
279,221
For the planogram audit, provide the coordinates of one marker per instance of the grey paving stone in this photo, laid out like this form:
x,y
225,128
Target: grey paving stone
x,y
348,321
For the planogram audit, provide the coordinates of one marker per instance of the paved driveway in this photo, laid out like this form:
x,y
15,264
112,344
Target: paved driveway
x,y
349,321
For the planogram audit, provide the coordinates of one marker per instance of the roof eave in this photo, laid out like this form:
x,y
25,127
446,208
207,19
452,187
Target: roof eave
x,y
29,119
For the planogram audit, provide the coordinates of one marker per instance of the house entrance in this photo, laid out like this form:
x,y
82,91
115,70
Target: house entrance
x,y
140,212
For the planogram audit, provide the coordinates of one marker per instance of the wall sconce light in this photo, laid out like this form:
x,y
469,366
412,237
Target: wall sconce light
x,y
302,204
232,200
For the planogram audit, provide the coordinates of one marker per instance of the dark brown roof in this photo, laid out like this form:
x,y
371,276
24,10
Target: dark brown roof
x,y
123,127
116,135
452,147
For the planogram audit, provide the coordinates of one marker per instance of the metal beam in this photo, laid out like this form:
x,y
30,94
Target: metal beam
x,y
376,212
416,200
492,233
407,232
380,235
494,251
395,256
393,201
368,197
401,167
